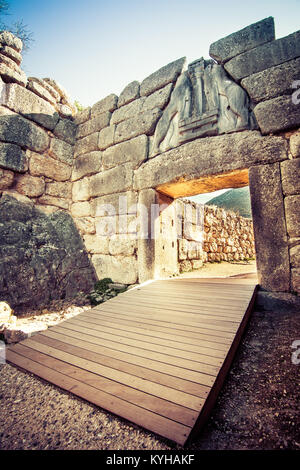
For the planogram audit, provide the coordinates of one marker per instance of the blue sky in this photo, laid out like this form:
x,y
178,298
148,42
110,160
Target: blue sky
x,y
95,47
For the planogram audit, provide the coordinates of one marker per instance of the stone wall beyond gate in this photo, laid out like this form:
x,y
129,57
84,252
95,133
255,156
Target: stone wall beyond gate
x,y
219,123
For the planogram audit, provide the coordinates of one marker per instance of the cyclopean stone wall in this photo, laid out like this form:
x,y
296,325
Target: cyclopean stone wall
x,y
184,130
219,235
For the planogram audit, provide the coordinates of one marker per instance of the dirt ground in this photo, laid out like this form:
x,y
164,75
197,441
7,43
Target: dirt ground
x,y
257,409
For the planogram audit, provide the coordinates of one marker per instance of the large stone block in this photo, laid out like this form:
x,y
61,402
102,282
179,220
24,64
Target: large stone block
x,y
162,77
65,129
9,39
131,92
290,176
81,190
10,75
292,213
269,227
106,137
59,189
54,201
96,244
93,125
277,114
36,86
117,203
11,53
134,151
295,144
61,150
43,165
120,245
6,179
82,116
295,256
106,104
128,111
18,130
202,158
31,106
119,268
30,186
143,123
87,164
265,56
247,38
272,82
12,157
81,209
112,181
87,144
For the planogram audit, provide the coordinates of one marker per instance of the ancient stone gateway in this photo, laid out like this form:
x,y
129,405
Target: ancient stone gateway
x,y
226,122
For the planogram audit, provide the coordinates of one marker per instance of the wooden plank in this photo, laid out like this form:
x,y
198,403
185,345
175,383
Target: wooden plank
x,y
129,363
202,365
112,380
212,335
155,423
197,348
170,350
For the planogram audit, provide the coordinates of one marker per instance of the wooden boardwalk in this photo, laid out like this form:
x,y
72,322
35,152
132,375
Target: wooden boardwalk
x,y
156,356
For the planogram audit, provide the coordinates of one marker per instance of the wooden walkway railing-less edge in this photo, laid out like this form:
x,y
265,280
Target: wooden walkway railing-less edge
x,y
156,356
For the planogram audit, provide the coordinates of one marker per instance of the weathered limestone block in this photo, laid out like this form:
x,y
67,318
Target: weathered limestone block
x,y
118,268
54,201
11,53
64,97
185,266
12,157
295,256
119,245
7,61
265,56
204,157
269,227
6,178
93,125
117,203
81,209
143,123
59,189
106,137
46,86
9,39
146,242
158,99
86,144
61,150
30,105
134,151
17,130
10,75
290,176
182,249
128,111
247,38
112,181
272,82
87,164
277,114
292,213
30,186
162,77
82,116
81,190
96,244
66,130
106,104
295,144
295,280
131,92
197,263
43,165
64,110
85,224
36,86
